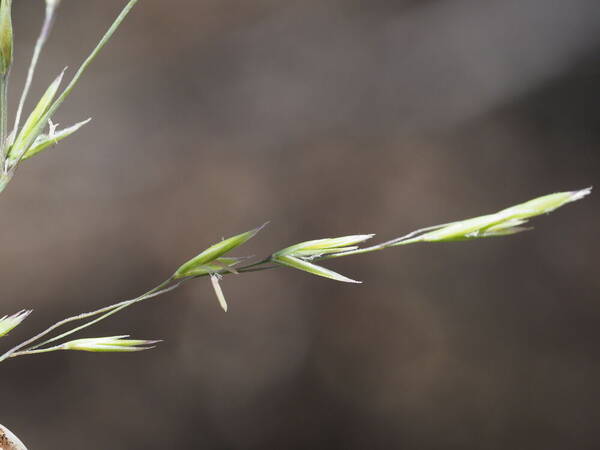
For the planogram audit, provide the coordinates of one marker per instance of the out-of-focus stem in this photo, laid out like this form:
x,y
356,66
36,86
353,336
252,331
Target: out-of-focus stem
x,y
3,117
39,46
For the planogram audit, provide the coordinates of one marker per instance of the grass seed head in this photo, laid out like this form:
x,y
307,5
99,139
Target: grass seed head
x,y
212,253
109,344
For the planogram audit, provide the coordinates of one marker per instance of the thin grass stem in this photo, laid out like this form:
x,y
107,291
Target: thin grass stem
x,y
120,18
112,310
34,352
37,51
158,290
3,117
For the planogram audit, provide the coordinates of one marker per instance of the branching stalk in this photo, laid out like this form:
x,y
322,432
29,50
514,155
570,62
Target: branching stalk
x,y
26,347
110,310
107,310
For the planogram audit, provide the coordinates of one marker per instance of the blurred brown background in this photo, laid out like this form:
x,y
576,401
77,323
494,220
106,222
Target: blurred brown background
x,y
327,117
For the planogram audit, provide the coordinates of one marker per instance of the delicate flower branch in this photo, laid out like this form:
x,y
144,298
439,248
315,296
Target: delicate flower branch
x,y
213,262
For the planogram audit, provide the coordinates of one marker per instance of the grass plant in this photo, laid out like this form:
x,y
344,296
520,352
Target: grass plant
x,y
39,133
